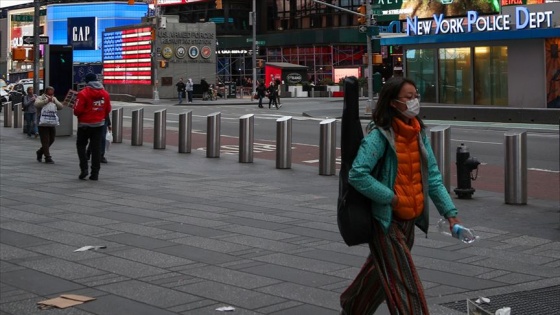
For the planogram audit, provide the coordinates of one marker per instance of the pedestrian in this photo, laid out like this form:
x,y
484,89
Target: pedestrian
x,y
278,84
92,106
48,105
409,174
271,93
181,88
29,113
189,88
261,93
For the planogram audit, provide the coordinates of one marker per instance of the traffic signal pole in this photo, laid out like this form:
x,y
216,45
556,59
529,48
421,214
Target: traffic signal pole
x,y
254,20
36,63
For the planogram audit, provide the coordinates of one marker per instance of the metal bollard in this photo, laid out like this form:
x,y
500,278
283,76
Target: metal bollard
x,y
185,132
117,124
327,147
284,142
440,141
18,115
516,167
246,138
213,135
160,128
137,137
8,114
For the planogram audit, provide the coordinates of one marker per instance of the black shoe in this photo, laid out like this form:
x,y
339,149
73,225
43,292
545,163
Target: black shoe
x,y
39,156
103,160
83,174
49,160
93,177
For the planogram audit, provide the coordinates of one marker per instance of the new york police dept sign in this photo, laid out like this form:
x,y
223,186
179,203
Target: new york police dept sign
x,y
523,19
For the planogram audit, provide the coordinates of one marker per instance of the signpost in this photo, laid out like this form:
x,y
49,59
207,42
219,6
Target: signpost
x,y
258,43
29,40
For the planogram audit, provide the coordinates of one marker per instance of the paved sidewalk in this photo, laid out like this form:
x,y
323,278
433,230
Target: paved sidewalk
x,y
186,234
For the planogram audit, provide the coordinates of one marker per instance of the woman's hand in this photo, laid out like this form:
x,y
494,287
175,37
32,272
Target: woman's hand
x,y
452,222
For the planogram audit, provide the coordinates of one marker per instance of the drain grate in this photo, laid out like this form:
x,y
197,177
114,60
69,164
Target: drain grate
x,y
545,301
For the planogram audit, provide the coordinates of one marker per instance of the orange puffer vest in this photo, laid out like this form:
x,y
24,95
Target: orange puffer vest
x,y
408,183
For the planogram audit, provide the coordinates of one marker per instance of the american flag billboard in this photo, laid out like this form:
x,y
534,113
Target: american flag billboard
x,y
127,56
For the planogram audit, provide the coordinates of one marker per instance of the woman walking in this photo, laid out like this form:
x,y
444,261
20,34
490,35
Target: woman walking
x,y
261,93
47,130
409,175
272,92
30,112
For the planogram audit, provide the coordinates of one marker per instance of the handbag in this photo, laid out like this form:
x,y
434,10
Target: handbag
x,y
108,140
49,117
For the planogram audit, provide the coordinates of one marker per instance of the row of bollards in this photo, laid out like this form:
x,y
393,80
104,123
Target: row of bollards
x,y
515,162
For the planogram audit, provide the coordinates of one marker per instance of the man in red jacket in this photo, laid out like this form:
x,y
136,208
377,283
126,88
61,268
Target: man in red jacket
x,y
92,106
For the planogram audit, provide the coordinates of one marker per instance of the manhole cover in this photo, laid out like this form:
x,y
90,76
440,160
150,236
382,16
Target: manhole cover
x,y
544,301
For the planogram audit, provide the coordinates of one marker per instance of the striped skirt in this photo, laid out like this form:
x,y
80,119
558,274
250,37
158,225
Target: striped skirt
x,y
388,275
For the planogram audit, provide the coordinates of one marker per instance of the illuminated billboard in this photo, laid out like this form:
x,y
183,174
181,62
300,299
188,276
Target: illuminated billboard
x,y
127,56
422,9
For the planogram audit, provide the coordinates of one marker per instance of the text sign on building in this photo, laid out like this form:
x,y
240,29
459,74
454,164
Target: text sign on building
x,y
82,33
522,19
29,40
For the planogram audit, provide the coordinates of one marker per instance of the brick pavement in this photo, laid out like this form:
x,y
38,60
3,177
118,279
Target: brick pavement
x,y
186,234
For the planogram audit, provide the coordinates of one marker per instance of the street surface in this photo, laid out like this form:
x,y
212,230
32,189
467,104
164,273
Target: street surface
x,y
185,234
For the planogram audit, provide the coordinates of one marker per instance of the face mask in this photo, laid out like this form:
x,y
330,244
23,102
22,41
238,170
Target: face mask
x,y
412,108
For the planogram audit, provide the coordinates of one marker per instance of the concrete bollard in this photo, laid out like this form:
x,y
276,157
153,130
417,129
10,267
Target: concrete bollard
x,y
515,167
137,136
327,147
246,138
160,128
18,115
284,142
440,140
185,132
8,114
213,122
117,124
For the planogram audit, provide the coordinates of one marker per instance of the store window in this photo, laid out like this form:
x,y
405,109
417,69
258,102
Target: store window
x,y
455,76
421,65
490,76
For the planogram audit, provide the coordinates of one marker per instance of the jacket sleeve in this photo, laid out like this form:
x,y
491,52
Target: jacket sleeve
x,y
369,153
58,104
437,191
108,106
41,101
27,102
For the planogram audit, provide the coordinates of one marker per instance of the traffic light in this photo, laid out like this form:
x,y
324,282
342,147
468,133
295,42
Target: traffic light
x,y
219,4
163,64
362,19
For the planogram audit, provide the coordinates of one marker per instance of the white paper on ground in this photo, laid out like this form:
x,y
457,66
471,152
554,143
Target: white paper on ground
x,y
226,309
504,311
482,300
83,249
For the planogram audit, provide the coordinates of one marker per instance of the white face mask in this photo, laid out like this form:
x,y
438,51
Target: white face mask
x,y
412,108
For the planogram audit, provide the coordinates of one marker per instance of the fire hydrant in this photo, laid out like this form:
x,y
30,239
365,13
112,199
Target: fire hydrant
x,y
465,166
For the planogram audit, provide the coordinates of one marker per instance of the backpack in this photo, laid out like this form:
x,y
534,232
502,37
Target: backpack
x,y
354,216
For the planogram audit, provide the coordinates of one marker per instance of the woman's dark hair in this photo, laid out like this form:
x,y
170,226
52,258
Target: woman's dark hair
x,y
383,113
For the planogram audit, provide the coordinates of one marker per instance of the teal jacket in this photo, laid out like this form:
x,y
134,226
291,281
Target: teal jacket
x,y
381,191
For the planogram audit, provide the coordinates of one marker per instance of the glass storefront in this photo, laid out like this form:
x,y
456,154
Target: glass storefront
x,y
463,75
490,76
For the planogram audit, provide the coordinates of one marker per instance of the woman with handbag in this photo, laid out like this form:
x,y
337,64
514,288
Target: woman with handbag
x,y
48,105
399,200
